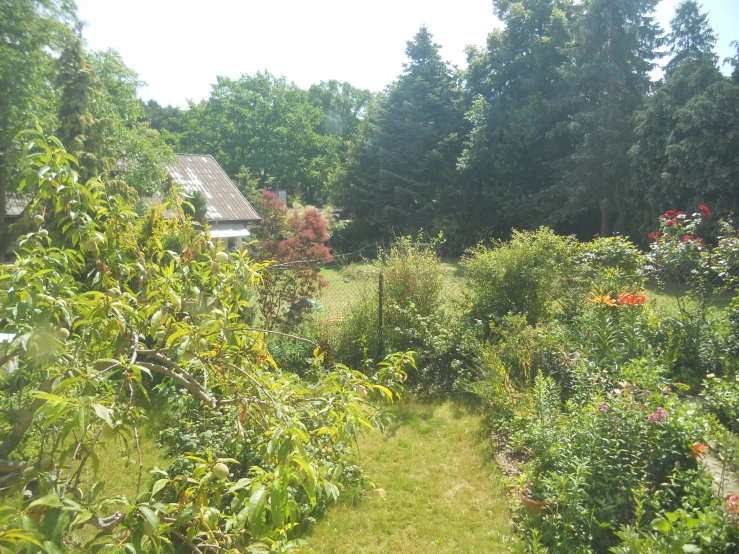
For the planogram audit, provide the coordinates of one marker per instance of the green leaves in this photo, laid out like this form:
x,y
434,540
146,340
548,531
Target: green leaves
x,y
256,510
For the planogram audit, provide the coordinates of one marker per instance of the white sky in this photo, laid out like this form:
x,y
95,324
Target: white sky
x,y
179,46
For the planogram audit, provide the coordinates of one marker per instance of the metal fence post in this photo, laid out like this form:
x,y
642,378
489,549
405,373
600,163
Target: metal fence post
x,y
381,346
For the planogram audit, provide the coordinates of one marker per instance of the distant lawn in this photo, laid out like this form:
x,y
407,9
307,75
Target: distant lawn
x,y
119,470
442,492
359,280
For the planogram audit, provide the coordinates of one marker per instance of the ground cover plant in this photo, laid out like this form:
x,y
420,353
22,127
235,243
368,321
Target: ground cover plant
x,y
98,327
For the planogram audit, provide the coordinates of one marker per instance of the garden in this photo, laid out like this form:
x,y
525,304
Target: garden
x,y
160,394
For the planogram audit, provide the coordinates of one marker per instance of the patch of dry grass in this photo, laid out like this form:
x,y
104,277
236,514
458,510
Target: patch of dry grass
x,y
442,494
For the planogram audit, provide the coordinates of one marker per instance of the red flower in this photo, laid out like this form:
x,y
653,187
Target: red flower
x,y
631,300
652,236
686,238
670,222
669,214
678,214
705,212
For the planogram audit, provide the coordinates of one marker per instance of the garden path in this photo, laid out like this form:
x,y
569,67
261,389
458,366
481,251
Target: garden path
x,y
437,490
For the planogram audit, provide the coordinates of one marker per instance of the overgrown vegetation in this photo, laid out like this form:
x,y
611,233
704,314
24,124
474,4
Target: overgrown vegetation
x,y
95,324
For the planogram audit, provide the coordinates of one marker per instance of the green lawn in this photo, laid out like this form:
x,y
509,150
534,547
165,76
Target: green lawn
x,y
119,469
351,283
437,490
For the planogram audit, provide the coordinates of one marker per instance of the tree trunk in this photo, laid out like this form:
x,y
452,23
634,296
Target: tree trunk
x,y
605,221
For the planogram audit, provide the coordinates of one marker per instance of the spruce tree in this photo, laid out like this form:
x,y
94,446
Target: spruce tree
x,y
656,182
610,58
406,155
515,90
691,37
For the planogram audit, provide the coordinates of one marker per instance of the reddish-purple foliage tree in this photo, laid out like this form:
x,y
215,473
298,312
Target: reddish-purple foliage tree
x,y
296,241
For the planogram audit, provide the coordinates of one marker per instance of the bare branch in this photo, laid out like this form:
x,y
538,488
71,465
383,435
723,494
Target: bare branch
x,y
194,388
11,466
187,541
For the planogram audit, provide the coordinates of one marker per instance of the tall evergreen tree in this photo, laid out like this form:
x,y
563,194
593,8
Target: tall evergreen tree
x,y
691,37
405,158
656,182
515,90
610,58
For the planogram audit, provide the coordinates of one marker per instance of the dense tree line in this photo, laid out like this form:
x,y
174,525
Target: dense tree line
x,y
557,120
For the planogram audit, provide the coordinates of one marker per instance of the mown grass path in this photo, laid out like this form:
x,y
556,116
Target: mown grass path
x,y
442,493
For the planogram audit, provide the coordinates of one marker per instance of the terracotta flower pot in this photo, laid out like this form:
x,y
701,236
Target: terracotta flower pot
x,y
533,507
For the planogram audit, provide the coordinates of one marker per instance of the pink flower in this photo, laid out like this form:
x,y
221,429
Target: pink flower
x,y
659,416
732,501
603,407
645,394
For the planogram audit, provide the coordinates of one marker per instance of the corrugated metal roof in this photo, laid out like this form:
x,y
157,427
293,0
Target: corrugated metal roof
x,y
15,204
196,172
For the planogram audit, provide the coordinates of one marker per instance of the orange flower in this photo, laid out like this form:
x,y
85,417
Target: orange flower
x,y
698,449
602,299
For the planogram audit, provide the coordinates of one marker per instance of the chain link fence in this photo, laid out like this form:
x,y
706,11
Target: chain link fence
x,y
353,280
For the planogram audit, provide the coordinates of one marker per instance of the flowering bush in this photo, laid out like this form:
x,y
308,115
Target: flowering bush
x,y
678,254
681,253
590,460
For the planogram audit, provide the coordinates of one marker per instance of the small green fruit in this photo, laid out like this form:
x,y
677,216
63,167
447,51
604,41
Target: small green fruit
x,y
161,335
63,333
203,344
29,471
38,219
220,470
43,233
115,292
221,257
157,319
188,356
77,493
231,390
46,464
215,267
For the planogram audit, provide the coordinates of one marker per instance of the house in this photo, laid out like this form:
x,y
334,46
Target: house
x,y
15,205
228,213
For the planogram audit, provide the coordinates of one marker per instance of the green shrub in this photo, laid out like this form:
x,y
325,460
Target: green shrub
x,y
412,289
612,264
721,398
533,274
590,461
